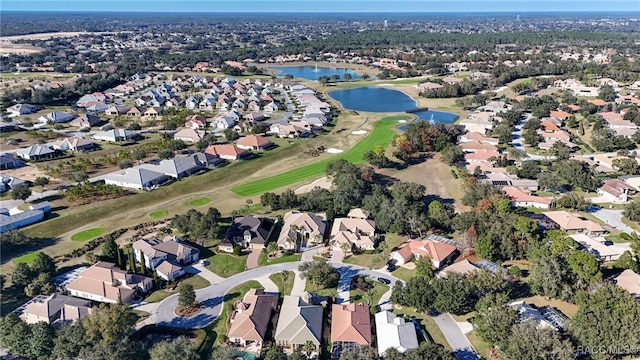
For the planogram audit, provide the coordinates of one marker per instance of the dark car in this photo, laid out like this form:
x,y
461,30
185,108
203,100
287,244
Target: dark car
x,y
608,243
384,281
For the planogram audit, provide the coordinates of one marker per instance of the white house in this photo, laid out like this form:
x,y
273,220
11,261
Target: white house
x,y
166,257
393,332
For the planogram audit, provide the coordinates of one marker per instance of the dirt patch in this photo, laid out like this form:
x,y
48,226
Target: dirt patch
x,y
28,172
323,182
184,311
436,177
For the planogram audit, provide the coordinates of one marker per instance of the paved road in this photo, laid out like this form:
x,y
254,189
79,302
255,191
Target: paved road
x,y
211,298
612,218
459,343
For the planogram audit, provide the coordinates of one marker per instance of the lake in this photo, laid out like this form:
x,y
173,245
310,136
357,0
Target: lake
x,y
378,99
313,73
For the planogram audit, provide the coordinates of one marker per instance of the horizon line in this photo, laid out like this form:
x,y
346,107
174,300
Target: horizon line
x,y
326,12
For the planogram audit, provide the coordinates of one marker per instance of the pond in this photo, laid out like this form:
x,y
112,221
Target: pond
x,y
378,99
313,72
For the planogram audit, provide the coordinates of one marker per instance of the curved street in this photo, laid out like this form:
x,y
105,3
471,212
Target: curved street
x,y
211,298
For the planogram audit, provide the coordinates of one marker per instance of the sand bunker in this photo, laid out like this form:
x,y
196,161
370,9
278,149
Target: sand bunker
x,y
323,182
402,121
358,132
334,151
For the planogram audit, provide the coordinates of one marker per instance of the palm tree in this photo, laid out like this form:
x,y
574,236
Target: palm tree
x,y
272,247
308,348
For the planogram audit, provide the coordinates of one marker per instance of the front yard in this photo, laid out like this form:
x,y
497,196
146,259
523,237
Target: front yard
x,y
197,281
264,259
284,287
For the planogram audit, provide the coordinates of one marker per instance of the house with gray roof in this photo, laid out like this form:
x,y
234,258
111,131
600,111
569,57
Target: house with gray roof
x,y
56,117
393,332
116,135
8,161
136,178
166,257
248,232
298,323
86,121
15,221
177,168
37,152
207,160
22,109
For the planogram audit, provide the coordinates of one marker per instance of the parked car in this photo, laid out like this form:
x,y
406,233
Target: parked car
x,y
608,243
384,281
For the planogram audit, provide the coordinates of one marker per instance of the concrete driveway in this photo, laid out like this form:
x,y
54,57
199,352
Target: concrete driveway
x,y
459,343
610,217
211,298
252,259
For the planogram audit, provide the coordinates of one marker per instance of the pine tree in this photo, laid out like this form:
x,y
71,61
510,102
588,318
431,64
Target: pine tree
x,y
143,264
132,262
119,260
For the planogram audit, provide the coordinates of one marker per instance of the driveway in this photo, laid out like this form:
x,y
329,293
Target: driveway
x,y
298,284
207,274
252,259
611,217
269,285
211,298
459,343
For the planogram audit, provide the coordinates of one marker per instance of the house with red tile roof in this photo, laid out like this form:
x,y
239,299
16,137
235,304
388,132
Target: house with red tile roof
x,y
104,282
254,143
524,198
474,145
439,252
479,137
598,102
226,151
350,328
561,115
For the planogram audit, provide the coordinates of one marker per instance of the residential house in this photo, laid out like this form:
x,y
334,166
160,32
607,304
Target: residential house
x,y
479,122
56,117
393,332
350,328
477,146
196,122
615,190
299,322
136,178
227,151
251,317
177,167
75,144
428,86
117,110
153,112
104,282
21,109
300,229
503,179
24,218
524,198
355,232
479,137
166,257
451,80
8,161
629,281
439,252
116,135
55,310
207,160
86,121
527,313
136,111
37,152
496,106
291,130
461,267
223,122
251,232
189,135
254,143
207,104
573,223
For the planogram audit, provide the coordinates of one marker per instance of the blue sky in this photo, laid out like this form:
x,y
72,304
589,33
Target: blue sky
x,y
337,6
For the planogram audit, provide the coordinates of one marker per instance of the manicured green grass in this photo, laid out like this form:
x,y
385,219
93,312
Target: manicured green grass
x,y
87,234
358,296
283,287
371,261
197,281
481,346
403,273
227,265
220,327
26,258
158,213
381,135
264,259
200,202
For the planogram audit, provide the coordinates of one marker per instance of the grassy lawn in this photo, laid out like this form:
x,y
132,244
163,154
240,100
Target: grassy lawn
x,y
234,294
566,308
371,261
158,213
283,287
227,265
481,346
264,259
329,291
87,234
201,201
197,281
26,258
358,296
403,273
616,238
382,134
427,322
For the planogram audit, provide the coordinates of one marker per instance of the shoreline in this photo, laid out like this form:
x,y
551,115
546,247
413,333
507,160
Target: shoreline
x,y
361,69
